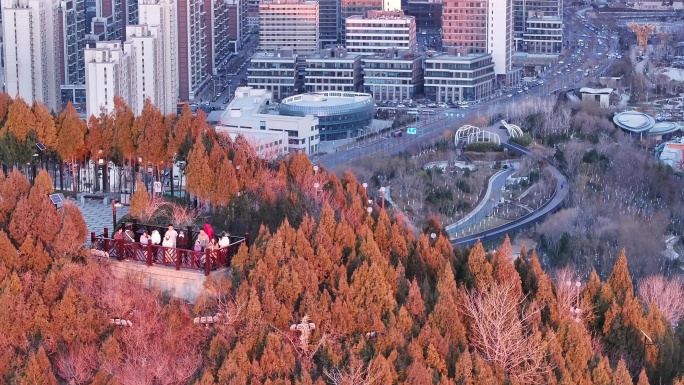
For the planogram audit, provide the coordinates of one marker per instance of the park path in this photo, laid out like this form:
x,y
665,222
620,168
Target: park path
x,y
486,205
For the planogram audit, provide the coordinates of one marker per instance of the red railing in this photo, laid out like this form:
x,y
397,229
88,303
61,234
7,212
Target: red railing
x,y
207,260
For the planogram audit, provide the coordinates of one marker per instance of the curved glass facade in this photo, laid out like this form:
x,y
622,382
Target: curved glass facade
x,y
340,114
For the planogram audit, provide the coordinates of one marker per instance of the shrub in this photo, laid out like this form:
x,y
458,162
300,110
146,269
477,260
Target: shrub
x,y
484,147
524,140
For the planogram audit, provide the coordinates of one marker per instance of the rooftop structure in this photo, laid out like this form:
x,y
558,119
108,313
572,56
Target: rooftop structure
x,y
634,122
673,154
252,111
341,114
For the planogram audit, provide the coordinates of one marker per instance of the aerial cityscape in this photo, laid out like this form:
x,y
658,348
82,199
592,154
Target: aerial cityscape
x,y
343,192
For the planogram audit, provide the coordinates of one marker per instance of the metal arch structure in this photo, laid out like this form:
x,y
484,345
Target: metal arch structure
x,y
474,134
483,136
464,131
513,130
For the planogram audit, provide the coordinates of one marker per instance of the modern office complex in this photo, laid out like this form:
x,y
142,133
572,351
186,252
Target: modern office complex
x,y
451,77
341,114
289,24
394,75
377,31
274,71
349,8
32,49
110,71
329,22
543,34
428,13
333,70
253,111
535,9
481,26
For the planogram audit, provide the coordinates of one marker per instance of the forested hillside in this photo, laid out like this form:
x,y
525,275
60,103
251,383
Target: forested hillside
x,y
389,306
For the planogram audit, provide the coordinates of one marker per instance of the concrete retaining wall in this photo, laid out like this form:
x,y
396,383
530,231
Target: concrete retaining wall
x,y
184,284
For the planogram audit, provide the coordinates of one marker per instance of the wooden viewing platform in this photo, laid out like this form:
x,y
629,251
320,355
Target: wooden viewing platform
x,y
179,258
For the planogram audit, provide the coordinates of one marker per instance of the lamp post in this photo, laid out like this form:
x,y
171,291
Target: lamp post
x,y
115,204
382,192
365,188
101,165
575,310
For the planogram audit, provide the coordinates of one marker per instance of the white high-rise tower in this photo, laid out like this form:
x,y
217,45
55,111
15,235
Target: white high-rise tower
x,y
158,60
31,50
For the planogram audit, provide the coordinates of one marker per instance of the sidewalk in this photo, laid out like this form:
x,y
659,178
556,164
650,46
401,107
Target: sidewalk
x,y
97,216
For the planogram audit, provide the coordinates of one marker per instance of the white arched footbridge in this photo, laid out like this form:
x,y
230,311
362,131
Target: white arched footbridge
x,y
513,130
472,134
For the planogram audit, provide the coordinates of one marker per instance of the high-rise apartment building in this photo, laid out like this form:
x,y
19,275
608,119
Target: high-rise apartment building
x,y
192,47
31,31
480,26
239,12
349,8
72,40
158,62
289,24
110,71
378,31
218,39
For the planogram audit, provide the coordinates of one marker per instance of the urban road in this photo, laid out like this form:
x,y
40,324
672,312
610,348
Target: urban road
x,y
431,128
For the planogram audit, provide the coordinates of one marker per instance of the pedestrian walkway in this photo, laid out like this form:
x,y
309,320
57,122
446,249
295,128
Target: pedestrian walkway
x,y
97,216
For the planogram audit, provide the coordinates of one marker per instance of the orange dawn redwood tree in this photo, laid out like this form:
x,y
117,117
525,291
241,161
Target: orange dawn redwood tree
x,y
71,146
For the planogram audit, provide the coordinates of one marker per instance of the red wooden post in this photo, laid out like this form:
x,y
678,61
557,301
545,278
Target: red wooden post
x,y
207,261
106,240
135,226
119,248
149,252
178,257
92,237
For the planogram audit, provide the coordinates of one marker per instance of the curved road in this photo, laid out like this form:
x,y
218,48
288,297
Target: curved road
x,y
550,206
491,198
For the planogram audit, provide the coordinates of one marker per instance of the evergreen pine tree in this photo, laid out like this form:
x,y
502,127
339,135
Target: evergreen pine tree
x,y
620,281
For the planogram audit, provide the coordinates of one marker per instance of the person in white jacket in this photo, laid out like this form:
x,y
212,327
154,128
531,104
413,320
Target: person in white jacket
x,y
155,237
169,251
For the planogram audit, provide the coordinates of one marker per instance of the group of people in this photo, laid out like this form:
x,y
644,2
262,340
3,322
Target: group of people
x,y
172,239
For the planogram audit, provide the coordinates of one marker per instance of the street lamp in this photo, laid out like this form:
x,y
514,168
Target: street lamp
x,y
115,204
382,192
575,310
369,209
365,188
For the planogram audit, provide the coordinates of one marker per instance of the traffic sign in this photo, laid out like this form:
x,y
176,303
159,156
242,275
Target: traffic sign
x,y
411,130
157,187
